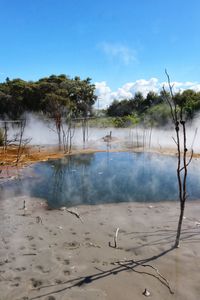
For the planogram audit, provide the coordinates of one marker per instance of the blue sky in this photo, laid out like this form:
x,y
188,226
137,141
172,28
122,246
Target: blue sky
x,y
113,42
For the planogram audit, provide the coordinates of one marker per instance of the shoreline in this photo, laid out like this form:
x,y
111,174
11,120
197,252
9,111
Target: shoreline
x,y
33,154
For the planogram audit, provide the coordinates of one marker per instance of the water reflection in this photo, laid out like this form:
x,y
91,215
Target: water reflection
x,y
107,177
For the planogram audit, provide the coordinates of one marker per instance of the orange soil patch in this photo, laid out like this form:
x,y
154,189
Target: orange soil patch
x,y
29,155
32,154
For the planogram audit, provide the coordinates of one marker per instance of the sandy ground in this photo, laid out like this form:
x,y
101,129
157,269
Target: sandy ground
x,y
51,254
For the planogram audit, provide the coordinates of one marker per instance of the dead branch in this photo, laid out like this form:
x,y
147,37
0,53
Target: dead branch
x,y
174,140
187,164
159,276
75,214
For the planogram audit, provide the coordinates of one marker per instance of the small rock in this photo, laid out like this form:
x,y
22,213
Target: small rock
x,y
146,293
63,208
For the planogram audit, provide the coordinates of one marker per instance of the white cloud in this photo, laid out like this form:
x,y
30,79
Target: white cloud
x,y
181,86
118,51
128,90
104,94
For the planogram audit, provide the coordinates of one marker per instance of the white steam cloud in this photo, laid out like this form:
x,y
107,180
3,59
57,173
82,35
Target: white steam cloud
x,y
42,132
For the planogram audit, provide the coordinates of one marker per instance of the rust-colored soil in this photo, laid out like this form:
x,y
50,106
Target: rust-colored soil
x,y
33,154
29,155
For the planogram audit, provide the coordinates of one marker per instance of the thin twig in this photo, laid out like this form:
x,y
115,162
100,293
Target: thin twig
x,y
174,140
191,156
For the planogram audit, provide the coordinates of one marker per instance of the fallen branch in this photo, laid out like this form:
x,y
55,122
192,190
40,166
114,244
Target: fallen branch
x,y
126,263
75,214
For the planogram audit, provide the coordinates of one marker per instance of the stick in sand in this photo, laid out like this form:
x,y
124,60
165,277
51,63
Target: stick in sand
x,y
115,239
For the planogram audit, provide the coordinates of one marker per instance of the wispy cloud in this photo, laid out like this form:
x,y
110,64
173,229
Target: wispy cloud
x,y
119,52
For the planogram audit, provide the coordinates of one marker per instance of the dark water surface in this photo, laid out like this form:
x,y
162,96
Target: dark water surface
x,y
104,178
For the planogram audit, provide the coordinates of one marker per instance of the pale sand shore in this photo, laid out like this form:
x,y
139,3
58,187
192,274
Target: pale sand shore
x,y
63,258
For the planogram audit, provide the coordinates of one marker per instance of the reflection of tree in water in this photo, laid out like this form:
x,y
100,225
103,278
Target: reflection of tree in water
x,y
69,176
83,159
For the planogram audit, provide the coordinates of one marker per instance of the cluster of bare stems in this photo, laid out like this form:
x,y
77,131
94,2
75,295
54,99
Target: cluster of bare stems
x,y
18,139
65,129
181,144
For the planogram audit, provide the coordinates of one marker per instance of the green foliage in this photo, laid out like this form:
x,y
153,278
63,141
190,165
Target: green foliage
x,y
158,115
50,95
126,121
136,105
102,122
189,100
152,110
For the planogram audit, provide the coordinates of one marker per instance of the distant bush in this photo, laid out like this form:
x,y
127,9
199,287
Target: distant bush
x,y
102,122
158,115
126,121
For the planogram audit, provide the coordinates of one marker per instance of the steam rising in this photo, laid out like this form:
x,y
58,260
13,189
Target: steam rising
x,y
43,132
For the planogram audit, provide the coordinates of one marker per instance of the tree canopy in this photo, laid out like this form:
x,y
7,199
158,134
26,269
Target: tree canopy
x,y
50,95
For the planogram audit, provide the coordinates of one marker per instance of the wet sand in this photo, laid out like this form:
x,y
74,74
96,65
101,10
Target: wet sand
x,y
52,254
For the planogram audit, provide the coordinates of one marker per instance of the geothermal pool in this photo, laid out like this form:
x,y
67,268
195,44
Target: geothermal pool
x,y
104,177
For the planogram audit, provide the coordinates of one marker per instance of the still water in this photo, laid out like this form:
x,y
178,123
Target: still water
x,y
104,177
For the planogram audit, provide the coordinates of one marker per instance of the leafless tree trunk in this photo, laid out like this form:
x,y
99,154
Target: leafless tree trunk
x,y
68,135
58,123
5,137
85,129
182,163
22,142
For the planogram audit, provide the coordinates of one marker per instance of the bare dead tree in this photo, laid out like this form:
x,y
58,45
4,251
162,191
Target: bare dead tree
x,y
68,134
22,143
17,139
58,124
85,129
5,136
181,144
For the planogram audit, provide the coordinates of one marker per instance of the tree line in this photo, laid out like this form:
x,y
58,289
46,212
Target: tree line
x,y
153,109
